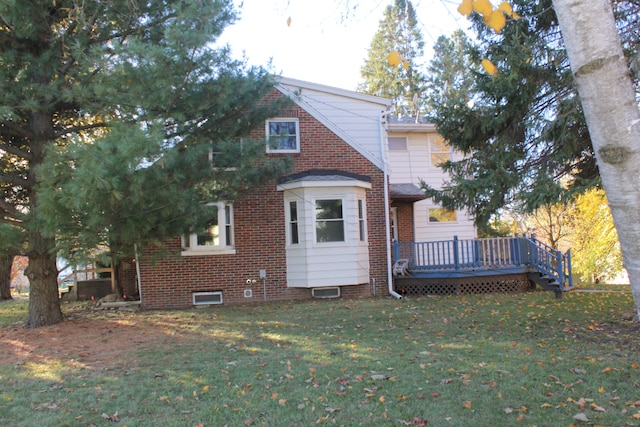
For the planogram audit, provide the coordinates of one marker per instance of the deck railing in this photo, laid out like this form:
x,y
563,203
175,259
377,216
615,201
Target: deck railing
x,y
487,253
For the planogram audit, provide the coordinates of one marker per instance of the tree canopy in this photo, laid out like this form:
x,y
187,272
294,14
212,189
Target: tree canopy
x,y
106,112
392,67
523,129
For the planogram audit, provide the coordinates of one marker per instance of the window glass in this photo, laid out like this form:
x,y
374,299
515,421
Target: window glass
x,y
283,135
440,151
218,233
329,221
442,215
293,222
361,221
397,143
210,236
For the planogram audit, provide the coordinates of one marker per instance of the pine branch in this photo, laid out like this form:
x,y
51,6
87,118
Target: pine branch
x,y
14,130
15,151
76,129
12,214
12,179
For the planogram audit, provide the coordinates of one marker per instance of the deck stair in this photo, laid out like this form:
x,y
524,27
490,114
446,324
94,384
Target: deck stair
x,y
456,258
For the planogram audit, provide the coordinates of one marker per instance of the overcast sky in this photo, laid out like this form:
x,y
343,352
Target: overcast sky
x,y
325,41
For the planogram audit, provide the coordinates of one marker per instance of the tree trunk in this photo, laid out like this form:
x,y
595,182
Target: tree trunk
x,y
6,261
608,100
42,272
44,300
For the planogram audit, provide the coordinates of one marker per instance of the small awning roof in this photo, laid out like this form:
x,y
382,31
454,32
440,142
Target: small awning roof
x,y
406,192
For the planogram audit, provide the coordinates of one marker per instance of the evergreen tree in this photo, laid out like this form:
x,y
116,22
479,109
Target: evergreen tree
x,y
105,110
391,69
449,79
522,130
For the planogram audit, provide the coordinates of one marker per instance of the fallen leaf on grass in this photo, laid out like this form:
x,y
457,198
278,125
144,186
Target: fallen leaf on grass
x,y
581,417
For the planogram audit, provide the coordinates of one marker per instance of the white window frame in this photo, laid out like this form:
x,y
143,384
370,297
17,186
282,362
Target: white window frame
x,y
271,149
432,139
190,246
361,209
293,223
395,143
343,220
213,152
440,222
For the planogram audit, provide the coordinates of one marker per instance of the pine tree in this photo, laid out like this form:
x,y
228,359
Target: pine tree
x,y
105,109
523,130
392,68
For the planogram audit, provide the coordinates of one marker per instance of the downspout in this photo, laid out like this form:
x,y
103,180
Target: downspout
x,y
138,279
387,207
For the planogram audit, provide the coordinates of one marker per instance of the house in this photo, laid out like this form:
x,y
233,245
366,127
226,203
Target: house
x,y
321,231
415,153
340,222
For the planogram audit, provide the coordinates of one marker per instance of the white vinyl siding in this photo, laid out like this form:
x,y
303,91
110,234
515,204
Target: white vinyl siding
x,y
352,116
414,165
312,263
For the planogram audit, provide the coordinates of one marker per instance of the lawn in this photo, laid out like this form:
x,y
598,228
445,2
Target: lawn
x,y
480,360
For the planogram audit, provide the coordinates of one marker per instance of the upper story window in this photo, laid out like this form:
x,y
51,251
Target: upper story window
x,y
437,215
397,143
221,160
439,151
329,221
283,135
216,237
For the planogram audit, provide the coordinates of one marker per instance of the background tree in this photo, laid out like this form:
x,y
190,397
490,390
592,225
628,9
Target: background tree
x,y
607,95
391,69
552,223
449,80
98,97
595,249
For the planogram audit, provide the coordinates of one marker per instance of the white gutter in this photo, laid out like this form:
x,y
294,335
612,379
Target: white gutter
x,y
387,208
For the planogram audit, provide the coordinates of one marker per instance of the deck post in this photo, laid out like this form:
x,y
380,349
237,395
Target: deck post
x,y
560,267
456,253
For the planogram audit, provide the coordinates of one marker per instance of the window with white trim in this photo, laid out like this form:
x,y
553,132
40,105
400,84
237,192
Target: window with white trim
x,y
218,234
439,151
362,223
283,135
293,223
438,215
329,221
397,143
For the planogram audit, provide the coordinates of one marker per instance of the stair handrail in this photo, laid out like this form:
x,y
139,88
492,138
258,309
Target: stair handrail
x,y
552,262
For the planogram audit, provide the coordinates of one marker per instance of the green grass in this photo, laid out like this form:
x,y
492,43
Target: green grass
x,y
481,360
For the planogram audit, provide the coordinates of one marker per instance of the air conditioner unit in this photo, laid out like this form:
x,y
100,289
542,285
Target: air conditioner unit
x,y
207,298
248,293
325,292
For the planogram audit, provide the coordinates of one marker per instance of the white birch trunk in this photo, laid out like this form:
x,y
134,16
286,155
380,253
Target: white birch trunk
x,y
612,115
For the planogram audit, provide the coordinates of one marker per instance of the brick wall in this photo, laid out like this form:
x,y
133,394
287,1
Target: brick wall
x,y
259,227
405,222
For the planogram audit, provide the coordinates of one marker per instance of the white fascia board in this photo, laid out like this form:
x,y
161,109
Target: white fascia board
x,y
323,184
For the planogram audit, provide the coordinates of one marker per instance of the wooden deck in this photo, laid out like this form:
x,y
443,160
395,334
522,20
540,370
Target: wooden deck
x,y
475,258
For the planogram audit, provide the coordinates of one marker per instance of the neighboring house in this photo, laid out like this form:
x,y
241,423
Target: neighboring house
x,y
415,153
320,231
